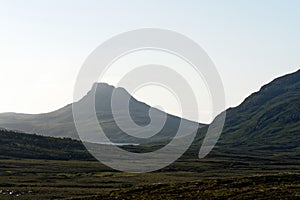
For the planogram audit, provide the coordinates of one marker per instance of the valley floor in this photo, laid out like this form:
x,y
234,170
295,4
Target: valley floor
x,y
213,177
279,186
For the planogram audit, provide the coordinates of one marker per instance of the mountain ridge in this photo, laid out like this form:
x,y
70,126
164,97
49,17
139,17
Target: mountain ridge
x,y
272,112
266,124
269,117
60,123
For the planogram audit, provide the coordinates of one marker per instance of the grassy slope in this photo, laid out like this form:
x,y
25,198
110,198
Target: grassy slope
x,y
20,145
269,118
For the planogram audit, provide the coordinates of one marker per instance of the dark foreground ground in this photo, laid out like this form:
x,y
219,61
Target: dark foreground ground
x,y
280,186
215,177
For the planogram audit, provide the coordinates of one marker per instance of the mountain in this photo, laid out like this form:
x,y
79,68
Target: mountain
x,y
60,123
267,120
265,126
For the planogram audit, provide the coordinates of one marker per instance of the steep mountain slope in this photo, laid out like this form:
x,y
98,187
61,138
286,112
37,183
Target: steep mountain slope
x,y
267,120
60,122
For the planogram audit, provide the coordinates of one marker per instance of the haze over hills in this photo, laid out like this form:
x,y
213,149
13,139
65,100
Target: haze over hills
x,y
267,123
60,123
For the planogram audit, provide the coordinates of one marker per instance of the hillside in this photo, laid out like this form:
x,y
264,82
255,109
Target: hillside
x,y
60,123
267,120
20,145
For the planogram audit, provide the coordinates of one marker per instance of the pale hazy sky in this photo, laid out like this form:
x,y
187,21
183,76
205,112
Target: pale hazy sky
x,y
44,43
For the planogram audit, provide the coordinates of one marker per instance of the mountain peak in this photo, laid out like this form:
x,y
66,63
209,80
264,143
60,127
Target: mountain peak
x,y
102,85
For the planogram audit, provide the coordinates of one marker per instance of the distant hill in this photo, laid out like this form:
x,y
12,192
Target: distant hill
x,y
60,123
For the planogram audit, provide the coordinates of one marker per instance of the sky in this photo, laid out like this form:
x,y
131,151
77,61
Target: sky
x,y
43,44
